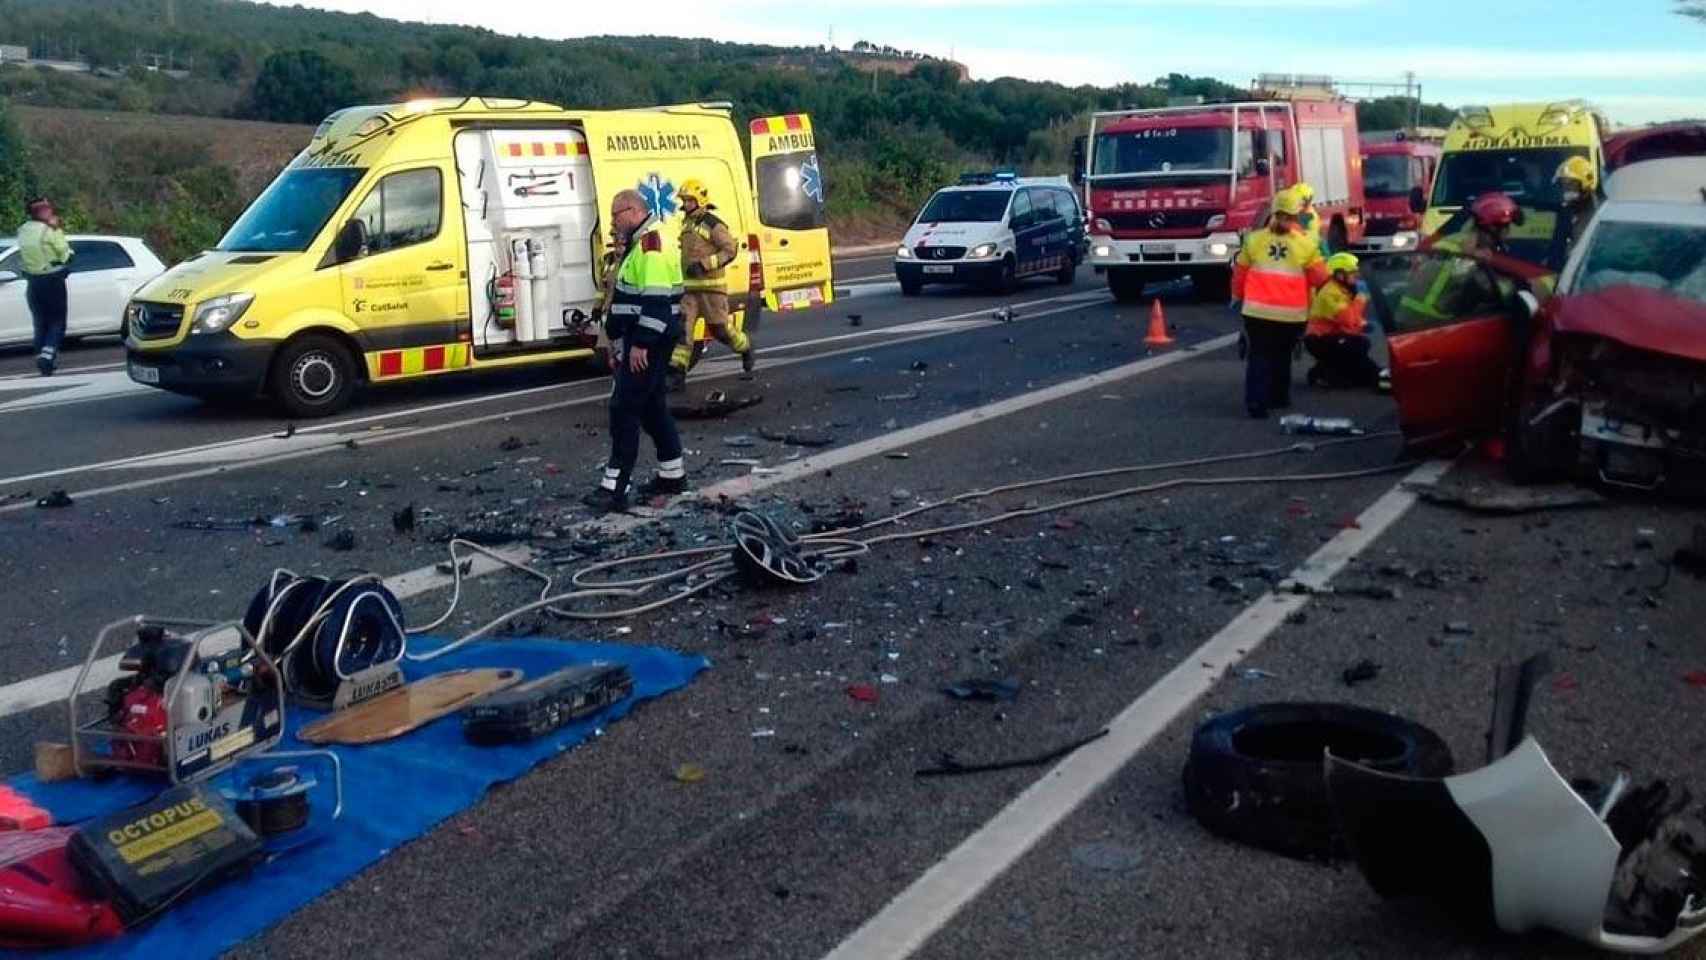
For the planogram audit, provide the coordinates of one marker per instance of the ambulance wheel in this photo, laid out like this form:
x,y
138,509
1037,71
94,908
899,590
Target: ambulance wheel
x,y
313,376
910,288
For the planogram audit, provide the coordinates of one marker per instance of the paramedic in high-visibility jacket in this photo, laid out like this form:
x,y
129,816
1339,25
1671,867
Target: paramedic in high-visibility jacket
x,y
643,324
1272,278
1337,335
707,248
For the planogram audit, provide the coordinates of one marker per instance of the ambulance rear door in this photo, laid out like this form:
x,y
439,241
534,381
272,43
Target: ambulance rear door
x,y
793,229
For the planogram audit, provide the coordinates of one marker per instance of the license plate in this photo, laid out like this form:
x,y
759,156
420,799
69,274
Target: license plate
x,y
939,268
1156,249
791,298
142,374
1597,426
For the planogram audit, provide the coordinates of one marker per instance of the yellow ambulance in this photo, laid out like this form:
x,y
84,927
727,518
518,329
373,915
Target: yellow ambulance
x,y
1515,148
447,235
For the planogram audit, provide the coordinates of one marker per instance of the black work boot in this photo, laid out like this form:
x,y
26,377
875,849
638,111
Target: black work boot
x,y
606,501
663,487
749,359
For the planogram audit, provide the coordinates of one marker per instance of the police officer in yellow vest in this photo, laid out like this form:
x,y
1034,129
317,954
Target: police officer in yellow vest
x,y
707,248
643,322
44,255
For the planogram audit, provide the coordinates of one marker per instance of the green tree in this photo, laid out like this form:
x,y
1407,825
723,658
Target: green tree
x,y
15,178
300,86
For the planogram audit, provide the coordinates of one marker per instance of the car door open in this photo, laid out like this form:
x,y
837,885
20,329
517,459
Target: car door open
x,y
1453,326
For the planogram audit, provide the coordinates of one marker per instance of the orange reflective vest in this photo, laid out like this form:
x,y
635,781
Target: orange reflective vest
x,y
1274,273
1337,311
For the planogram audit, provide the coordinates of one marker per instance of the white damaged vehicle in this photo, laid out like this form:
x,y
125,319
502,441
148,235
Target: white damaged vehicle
x,y
993,230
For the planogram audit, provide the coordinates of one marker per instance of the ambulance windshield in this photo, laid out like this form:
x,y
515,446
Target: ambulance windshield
x,y
290,213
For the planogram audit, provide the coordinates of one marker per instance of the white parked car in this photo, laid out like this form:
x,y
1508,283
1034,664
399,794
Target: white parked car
x,y
105,271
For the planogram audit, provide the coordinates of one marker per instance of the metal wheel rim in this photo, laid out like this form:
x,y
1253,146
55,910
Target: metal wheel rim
x,y
304,370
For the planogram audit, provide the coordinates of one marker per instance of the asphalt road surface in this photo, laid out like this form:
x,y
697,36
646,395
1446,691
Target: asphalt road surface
x,y
1147,613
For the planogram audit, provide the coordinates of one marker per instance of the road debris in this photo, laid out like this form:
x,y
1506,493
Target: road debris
x,y
1695,679
715,406
863,692
1504,499
403,521
898,397
741,462
511,444
1252,673
1254,775
950,766
855,320
1692,558
800,438
689,773
56,500
1300,423
984,691
343,541
1459,628
740,440
1360,672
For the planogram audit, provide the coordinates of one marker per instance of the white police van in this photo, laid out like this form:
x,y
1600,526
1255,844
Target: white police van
x,y
993,230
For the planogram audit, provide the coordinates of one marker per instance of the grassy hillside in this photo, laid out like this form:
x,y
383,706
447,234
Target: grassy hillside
x,y
888,136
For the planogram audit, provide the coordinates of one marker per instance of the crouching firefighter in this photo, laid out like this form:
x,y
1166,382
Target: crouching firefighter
x,y
643,322
707,248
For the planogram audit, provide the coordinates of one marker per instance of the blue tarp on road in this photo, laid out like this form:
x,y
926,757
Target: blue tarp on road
x,y
393,792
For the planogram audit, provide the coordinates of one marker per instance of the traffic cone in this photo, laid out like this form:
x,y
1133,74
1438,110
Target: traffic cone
x,y
1157,326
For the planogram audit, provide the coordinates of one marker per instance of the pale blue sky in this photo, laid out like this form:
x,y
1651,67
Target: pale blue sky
x,y
1635,58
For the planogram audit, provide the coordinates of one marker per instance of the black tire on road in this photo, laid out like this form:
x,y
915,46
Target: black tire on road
x,y
1257,775
1126,283
313,375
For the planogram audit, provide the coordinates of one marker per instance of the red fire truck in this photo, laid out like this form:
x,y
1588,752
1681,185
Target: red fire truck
x,y
1398,177
1170,189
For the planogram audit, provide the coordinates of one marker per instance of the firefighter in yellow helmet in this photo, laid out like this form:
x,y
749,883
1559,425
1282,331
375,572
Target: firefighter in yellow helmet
x,y
707,248
1309,219
1337,335
1578,190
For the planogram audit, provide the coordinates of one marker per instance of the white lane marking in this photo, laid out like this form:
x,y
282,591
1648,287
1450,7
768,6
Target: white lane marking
x,y
54,687
143,460
908,921
855,290
264,448
67,388
64,370
502,415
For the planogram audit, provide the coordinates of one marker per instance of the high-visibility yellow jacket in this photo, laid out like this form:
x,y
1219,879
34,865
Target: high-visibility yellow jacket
x,y
645,304
42,249
707,247
1337,311
1274,273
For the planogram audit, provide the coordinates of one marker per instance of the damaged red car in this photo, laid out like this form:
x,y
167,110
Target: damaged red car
x,y
1605,380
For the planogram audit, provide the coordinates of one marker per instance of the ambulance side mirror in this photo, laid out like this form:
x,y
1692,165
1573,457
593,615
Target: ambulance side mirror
x,y
352,241
1418,200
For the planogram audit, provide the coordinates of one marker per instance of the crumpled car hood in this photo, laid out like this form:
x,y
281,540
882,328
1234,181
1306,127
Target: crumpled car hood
x,y
1637,317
